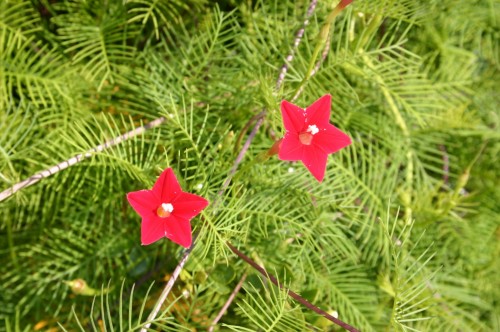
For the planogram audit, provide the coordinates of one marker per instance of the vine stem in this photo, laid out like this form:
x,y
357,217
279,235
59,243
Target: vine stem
x,y
324,38
79,157
446,164
242,153
228,302
168,288
298,37
324,54
289,292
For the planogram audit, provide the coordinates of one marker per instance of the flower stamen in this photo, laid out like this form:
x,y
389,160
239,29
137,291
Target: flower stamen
x,y
313,129
307,136
164,210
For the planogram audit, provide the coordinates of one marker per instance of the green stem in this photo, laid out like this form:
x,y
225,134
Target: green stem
x,y
323,38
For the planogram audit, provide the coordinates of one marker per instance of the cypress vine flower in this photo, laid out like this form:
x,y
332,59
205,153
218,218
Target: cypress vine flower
x,y
310,137
166,210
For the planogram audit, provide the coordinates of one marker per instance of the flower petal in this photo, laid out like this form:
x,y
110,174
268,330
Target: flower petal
x,y
315,161
166,187
187,205
291,148
178,230
144,202
293,117
331,139
152,230
319,112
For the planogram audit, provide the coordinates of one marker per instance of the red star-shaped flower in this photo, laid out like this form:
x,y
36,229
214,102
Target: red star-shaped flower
x,y
309,135
166,210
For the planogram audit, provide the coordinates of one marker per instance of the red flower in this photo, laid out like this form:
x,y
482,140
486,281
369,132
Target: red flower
x,y
166,210
309,135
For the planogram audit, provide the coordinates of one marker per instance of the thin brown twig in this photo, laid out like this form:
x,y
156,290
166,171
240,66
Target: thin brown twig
x,y
298,37
446,163
242,153
79,157
228,303
245,129
292,294
168,287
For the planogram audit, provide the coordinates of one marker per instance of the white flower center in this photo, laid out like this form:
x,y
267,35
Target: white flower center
x,y
167,207
313,129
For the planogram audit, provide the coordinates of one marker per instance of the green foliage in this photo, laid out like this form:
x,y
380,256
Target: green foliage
x,y
402,235
269,312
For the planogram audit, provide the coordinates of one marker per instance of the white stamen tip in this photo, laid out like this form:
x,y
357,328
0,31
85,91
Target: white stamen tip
x,y
291,169
167,207
312,129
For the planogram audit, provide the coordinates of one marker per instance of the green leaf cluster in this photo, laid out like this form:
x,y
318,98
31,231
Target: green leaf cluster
x,y
402,235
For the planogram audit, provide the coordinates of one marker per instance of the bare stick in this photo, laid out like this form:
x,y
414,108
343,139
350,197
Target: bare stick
x,y
242,153
446,163
228,302
292,294
296,42
168,288
76,159
245,129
